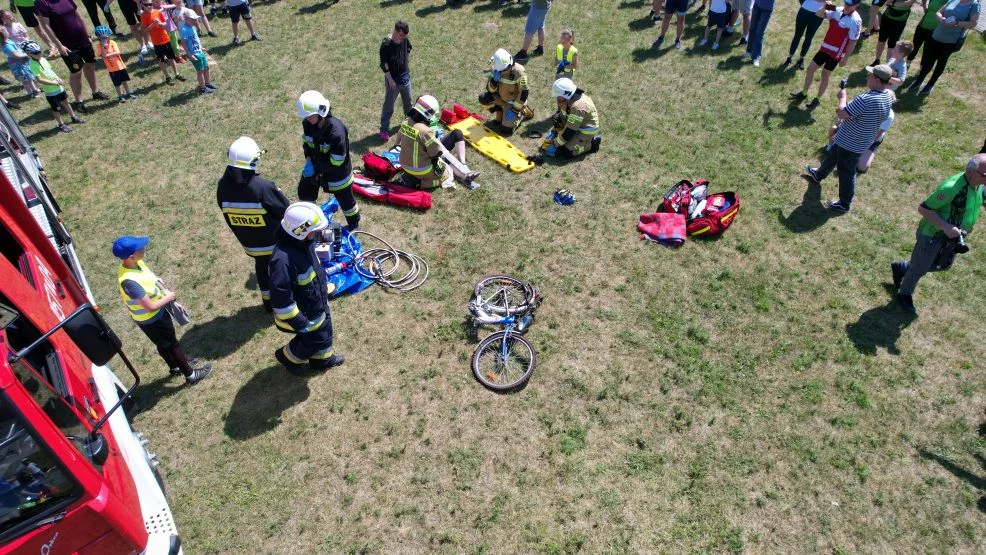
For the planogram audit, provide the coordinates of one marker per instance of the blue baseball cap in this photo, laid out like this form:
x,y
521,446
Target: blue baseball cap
x,y
851,2
126,245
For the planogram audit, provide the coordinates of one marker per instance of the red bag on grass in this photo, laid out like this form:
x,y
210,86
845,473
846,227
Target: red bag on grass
x,y
378,167
717,215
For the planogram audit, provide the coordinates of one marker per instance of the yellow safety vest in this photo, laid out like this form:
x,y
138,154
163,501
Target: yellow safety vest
x,y
569,56
146,279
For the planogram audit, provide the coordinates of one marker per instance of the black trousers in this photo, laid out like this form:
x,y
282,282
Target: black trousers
x,y
308,191
161,332
935,56
96,6
263,275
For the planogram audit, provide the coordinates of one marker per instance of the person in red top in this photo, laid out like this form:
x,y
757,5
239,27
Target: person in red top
x,y
152,21
840,39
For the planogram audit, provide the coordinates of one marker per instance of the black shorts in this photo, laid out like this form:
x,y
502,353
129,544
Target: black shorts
x,y
878,3
165,52
824,60
876,144
79,56
56,101
891,30
27,13
242,10
129,9
119,77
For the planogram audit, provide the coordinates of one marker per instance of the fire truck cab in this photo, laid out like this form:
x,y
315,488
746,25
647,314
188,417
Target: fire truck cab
x,y
74,476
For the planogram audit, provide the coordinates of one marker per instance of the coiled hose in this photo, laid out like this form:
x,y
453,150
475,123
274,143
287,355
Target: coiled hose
x,y
390,268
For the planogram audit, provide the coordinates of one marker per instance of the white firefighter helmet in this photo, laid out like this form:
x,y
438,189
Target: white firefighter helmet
x,y
563,88
427,106
501,59
244,154
312,102
302,218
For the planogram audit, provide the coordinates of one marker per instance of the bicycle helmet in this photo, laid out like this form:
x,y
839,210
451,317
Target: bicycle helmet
x,y
30,47
103,31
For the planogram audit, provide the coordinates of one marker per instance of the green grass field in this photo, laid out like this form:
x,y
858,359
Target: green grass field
x,y
758,392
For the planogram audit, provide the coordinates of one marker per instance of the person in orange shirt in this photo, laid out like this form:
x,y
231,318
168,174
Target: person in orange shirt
x,y
152,21
108,50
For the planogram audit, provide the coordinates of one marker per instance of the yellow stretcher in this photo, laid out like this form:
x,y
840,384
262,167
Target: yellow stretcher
x,y
492,145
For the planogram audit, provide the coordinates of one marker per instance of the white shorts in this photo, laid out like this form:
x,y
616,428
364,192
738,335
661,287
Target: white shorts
x,y
743,6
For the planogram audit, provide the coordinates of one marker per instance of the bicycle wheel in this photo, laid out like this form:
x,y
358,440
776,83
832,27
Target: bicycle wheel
x,y
503,361
503,295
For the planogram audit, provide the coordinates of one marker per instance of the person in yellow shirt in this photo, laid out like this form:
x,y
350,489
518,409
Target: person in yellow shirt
x,y
108,50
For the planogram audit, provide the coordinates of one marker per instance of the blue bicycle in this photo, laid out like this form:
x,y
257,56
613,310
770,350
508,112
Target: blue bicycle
x,y
504,360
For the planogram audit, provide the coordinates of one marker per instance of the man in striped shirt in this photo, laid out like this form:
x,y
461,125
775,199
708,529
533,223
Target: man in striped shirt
x,y
859,123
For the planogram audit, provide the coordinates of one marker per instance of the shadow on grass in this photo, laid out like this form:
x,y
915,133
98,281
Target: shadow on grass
x,y
977,482
367,143
810,215
633,5
389,3
909,101
182,98
149,394
649,53
794,116
223,335
731,63
507,8
776,75
258,405
315,8
641,24
880,327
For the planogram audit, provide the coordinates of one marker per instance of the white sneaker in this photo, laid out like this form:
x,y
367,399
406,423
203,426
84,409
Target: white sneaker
x,y
715,46
703,42
756,62
143,49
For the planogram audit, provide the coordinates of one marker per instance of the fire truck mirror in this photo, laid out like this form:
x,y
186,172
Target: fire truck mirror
x,y
94,337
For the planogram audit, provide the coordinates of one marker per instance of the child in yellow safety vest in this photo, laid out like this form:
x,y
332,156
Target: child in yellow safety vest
x,y
566,56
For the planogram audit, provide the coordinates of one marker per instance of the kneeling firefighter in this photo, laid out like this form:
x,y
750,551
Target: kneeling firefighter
x,y
421,150
575,129
327,165
506,92
299,291
252,207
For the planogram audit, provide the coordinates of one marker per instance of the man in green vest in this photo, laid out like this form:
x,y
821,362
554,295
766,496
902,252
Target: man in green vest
x,y
146,298
948,214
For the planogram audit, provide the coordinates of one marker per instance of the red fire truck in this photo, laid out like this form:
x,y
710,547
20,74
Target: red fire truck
x,y
74,476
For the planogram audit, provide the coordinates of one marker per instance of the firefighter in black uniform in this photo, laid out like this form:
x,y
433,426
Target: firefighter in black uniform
x,y
299,291
327,164
252,207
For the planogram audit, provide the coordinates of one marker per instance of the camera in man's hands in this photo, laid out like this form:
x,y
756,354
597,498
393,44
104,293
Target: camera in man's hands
x,y
960,246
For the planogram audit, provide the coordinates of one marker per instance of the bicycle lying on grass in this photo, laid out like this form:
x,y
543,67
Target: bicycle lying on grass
x,y
504,360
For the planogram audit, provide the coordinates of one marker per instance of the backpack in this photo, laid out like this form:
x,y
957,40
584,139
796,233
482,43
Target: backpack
x,y
377,167
705,214
714,214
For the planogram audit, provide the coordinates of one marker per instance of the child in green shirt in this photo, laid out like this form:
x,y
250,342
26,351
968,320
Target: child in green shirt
x,y
51,85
